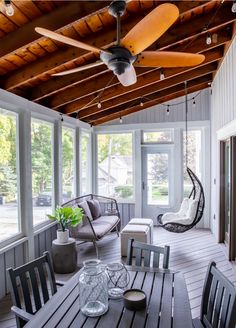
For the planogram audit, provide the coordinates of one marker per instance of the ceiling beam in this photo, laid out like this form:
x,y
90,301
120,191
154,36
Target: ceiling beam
x,y
60,18
171,95
58,84
47,64
150,96
145,80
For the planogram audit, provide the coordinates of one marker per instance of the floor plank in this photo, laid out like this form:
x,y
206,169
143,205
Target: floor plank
x,y
190,253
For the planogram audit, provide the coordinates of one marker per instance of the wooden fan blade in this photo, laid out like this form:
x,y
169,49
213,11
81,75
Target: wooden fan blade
x,y
65,39
78,69
129,77
150,28
168,59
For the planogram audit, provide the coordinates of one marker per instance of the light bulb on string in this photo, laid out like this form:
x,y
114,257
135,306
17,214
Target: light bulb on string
x,y
99,104
194,103
162,75
208,39
8,8
121,120
168,110
141,103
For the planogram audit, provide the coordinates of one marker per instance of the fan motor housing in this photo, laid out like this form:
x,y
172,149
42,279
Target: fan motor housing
x,y
119,59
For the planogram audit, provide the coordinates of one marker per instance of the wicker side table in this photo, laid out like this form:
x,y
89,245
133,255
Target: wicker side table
x,y
64,256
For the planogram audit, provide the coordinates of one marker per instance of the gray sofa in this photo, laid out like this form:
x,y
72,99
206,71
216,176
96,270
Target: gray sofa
x,y
101,216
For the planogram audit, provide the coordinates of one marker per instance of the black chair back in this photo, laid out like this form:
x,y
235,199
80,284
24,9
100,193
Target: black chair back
x,y
147,255
218,307
32,284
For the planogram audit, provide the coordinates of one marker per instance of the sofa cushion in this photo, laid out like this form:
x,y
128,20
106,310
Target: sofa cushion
x,y
100,229
95,208
111,220
84,205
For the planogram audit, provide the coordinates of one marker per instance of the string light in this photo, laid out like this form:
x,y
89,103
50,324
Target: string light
x,y
162,75
62,119
8,8
194,102
233,9
121,120
208,39
141,103
99,105
168,110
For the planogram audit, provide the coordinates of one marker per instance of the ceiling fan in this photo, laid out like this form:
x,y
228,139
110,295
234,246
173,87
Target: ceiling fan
x,y
128,51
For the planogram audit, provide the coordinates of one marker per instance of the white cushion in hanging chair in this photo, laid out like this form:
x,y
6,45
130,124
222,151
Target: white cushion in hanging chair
x,y
186,214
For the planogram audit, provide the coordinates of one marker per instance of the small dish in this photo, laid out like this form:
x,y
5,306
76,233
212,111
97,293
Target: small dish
x,y
134,299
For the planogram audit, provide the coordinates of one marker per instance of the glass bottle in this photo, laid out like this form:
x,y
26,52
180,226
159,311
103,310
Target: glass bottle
x,y
93,289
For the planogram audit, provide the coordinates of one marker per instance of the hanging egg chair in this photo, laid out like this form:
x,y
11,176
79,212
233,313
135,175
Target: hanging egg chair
x,y
192,208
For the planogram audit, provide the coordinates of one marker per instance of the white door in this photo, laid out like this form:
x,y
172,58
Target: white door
x,y
157,189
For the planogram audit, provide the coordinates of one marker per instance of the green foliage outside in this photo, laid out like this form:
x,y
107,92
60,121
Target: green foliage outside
x,y
67,160
124,191
8,183
67,216
114,144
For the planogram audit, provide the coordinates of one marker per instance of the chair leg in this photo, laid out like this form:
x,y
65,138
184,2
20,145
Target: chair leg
x,y
96,247
117,231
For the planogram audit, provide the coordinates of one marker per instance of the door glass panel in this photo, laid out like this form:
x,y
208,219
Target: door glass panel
x,y
157,179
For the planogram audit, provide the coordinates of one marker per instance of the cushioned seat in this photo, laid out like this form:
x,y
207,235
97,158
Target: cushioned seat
x,y
112,220
136,232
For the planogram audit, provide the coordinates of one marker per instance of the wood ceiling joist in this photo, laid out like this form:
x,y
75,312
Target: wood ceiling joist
x,y
50,62
148,92
147,80
74,93
55,20
172,94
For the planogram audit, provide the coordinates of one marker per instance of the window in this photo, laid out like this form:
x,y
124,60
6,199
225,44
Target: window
x,y
194,158
9,218
115,165
41,143
157,179
68,143
157,136
85,163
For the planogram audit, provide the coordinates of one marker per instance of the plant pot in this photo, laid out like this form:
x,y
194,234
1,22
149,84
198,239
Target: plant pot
x,y
63,236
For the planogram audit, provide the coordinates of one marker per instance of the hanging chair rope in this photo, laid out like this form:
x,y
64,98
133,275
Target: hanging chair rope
x,y
197,192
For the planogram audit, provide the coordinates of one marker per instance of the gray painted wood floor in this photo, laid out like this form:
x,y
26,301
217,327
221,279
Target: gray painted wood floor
x,y
190,253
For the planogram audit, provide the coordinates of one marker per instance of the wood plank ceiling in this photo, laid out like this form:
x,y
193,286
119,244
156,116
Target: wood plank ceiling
x,y
27,60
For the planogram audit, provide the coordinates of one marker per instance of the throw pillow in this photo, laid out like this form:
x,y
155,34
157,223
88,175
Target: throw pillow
x,y
84,205
192,209
95,208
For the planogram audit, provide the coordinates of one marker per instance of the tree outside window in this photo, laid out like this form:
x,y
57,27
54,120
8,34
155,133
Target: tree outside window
x,y
115,165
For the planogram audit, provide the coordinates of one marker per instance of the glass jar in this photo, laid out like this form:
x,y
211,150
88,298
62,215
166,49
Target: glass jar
x,y
93,289
118,279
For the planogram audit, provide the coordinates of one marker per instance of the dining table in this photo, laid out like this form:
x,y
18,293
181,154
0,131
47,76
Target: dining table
x,y
167,304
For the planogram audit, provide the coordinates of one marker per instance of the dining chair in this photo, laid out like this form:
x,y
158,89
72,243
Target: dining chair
x,y
31,286
147,255
218,305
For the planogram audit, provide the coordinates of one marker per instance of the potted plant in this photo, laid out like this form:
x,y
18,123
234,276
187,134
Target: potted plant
x,y
66,216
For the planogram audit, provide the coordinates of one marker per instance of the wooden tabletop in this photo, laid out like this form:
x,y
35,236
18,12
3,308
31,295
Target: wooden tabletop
x,y
167,305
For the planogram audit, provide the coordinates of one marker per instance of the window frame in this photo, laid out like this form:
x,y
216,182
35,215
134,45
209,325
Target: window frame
x,y
170,130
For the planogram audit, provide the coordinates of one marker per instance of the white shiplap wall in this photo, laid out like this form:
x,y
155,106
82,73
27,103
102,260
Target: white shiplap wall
x,y
157,113
223,111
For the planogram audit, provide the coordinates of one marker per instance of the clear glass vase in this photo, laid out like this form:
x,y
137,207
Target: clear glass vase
x,y
93,289
118,279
